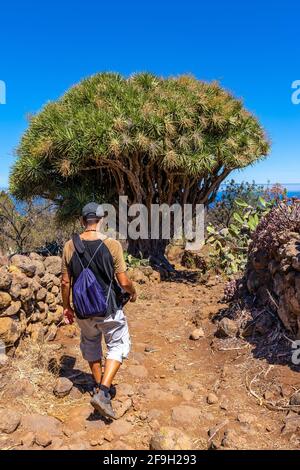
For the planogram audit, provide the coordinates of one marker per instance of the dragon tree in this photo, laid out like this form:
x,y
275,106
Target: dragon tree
x,y
152,139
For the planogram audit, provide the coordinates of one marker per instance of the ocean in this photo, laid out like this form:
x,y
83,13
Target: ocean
x,y
293,191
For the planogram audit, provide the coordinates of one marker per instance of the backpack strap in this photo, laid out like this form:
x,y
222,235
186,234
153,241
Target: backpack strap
x,y
78,243
94,254
80,250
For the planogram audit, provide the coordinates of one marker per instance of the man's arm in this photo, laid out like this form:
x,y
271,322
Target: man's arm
x,y
65,292
127,285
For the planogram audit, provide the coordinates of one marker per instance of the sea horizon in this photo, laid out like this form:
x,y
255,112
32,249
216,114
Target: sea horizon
x,y
293,189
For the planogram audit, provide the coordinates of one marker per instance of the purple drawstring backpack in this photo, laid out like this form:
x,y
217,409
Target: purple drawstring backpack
x,y
88,295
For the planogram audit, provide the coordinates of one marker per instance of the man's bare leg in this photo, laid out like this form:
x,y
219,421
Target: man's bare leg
x,y
110,370
96,369
101,400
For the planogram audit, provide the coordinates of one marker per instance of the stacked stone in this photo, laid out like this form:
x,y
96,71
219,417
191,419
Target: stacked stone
x,y
143,275
30,298
275,280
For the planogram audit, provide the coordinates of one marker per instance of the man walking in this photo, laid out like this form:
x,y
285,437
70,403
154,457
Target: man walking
x,y
104,258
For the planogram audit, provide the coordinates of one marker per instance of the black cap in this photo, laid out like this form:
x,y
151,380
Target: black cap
x,y
92,210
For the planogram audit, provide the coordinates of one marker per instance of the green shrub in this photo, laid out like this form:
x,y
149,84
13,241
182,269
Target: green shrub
x,y
133,262
230,244
220,215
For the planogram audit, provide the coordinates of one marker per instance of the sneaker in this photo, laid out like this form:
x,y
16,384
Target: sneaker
x,y
102,404
112,391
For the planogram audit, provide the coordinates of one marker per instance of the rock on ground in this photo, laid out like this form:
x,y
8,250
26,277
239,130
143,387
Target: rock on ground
x,y
197,334
9,421
40,423
185,414
227,328
43,439
137,371
121,427
53,265
10,331
295,399
168,438
62,387
212,398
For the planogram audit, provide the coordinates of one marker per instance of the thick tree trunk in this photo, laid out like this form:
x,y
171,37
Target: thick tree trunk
x,y
154,250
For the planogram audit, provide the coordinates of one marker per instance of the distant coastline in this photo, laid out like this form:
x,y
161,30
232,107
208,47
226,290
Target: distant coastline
x,y
293,189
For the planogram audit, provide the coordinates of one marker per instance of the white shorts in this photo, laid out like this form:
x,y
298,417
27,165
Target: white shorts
x,y
116,336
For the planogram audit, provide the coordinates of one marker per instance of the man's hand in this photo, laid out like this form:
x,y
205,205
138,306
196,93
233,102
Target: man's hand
x,y
69,315
127,285
133,297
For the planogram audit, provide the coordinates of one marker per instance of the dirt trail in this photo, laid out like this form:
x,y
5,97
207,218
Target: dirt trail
x,y
198,387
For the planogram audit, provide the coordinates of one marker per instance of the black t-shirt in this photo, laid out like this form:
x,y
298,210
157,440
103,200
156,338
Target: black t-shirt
x,y
102,265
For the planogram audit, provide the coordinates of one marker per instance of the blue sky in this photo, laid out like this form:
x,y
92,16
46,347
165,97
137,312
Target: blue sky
x,y
251,47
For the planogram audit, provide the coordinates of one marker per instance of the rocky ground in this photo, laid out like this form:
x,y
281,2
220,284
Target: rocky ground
x,y
182,387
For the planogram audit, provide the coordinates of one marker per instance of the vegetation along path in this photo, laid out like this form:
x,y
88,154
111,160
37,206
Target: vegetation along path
x,y
211,391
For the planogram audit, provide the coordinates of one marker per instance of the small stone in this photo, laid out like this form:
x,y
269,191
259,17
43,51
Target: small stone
x,y
292,424
121,407
53,265
295,399
143,416
52,331
93,443
5,278
126,390
197,334
43,439
28,439
286,390
227,328
178,367
268,395
41,423
139,372
149,349
230,440
5,300
24,264
168,438
9,421
62,387
121,428
154,425
185,414
12,309
55,290
75,394
212,399
130,419
224,404
108,435
41,294
246,418
218,428
3,359
37,333
10,331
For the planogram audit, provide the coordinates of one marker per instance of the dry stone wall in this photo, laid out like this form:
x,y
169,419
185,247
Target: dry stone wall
x,y
30,298
275,280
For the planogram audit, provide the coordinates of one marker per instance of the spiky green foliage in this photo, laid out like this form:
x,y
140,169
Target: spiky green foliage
x,y
155,140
